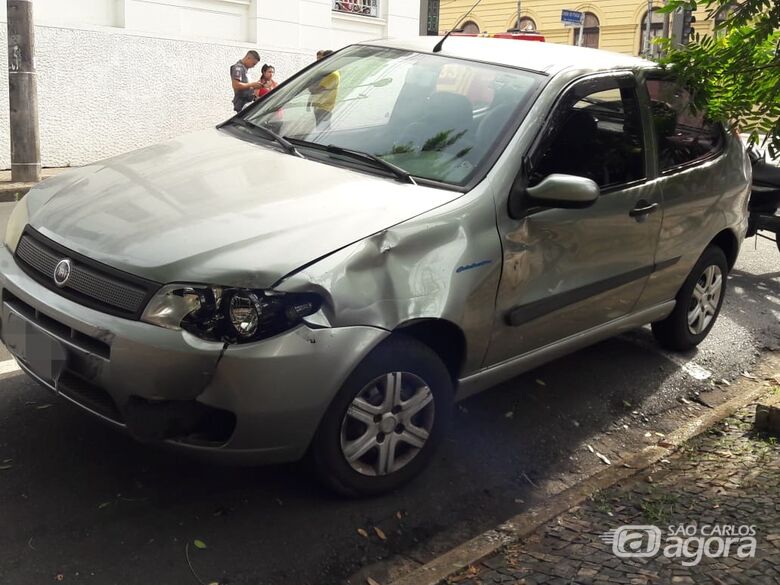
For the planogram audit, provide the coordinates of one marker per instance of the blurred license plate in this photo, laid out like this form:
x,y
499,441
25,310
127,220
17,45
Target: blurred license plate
x,y
43,354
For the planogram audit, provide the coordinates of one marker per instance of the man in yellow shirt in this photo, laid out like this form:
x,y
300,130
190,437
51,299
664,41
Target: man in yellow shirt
x,y
324,94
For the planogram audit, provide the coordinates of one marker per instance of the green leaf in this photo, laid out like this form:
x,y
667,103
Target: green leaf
x,y
199,544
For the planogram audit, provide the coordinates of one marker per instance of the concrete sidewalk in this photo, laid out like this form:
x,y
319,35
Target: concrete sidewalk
x,y
727,480
10,191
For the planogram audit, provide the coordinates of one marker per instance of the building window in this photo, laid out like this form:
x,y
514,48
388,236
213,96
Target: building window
x,y
362,7
470,28
720,18
526,24
656,31
590,32
432,27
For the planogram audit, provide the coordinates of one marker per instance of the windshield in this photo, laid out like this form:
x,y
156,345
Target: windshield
x,y
433,117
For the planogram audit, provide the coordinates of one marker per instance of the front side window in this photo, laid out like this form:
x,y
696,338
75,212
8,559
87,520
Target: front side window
x,y
682,135
435,117
595,133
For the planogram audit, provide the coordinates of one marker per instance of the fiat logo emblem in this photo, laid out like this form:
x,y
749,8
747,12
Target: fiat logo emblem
x,y
62,272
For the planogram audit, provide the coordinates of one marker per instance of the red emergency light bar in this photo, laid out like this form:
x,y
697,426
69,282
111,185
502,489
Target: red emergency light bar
x,y
517,36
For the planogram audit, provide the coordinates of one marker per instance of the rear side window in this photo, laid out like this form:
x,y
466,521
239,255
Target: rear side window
x,y
683,136
596,133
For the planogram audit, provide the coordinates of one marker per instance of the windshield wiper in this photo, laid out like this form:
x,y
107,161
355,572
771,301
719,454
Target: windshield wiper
x,y
397,171
288,146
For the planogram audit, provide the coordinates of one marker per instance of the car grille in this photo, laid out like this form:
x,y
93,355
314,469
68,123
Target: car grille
x,y
90,283
86,357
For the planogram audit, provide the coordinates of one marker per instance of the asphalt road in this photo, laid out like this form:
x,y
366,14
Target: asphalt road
x,y
80,503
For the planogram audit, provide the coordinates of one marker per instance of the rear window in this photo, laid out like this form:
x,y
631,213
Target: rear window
x,y
683,136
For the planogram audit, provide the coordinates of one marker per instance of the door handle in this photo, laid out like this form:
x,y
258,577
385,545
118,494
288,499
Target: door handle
x,y
643,208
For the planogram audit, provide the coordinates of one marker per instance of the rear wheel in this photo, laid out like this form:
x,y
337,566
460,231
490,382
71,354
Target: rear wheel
x,y
384,424
698,303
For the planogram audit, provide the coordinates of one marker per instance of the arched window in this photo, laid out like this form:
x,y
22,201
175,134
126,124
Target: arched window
x,y
470,28
656,31
720,17
590,32
526,24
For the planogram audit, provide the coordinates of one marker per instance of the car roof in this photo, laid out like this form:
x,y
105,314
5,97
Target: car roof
x,y
549,58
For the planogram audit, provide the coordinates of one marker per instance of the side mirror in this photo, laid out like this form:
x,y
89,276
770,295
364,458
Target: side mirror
x,y
564,191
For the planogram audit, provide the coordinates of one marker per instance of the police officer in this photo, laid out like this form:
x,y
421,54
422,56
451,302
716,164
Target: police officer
x,y
243,91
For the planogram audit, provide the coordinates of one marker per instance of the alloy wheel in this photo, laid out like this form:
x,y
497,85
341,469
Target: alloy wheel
x,y
387,424
705,299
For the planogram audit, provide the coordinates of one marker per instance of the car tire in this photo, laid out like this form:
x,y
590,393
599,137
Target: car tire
x,y
399,376
698,303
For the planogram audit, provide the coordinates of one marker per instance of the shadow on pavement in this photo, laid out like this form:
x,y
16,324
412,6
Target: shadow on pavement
x,y
81,498
83,501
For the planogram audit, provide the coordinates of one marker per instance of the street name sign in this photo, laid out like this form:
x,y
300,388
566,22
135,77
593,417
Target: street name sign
x,y
572,17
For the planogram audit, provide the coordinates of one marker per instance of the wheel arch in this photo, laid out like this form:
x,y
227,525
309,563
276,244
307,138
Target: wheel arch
x,y
727,241
444,337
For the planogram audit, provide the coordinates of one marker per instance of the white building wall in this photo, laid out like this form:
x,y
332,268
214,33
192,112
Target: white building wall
x,y
115,75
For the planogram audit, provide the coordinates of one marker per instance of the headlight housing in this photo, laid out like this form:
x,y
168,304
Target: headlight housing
x,y
230,315
16,223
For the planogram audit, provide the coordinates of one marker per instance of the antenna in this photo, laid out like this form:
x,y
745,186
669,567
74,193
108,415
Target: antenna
x,y
440,44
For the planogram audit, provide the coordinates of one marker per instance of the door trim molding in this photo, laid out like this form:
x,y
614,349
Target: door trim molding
x,y
536,309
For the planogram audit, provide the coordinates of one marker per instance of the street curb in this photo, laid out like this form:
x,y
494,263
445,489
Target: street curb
x,y
517,527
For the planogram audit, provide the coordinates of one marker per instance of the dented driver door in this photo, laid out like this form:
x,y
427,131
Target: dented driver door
x,y
569,270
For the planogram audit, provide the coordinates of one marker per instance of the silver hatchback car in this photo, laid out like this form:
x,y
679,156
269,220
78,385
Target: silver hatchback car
x,y
393,229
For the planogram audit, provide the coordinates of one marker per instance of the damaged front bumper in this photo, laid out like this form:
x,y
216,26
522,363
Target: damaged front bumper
x,y
254,403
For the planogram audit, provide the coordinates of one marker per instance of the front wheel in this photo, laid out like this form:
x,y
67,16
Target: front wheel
x,y
698,303
383,426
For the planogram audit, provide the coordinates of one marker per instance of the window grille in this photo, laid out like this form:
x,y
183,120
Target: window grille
x,y
362,7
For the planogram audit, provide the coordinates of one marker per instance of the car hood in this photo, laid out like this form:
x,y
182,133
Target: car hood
x,y
211,208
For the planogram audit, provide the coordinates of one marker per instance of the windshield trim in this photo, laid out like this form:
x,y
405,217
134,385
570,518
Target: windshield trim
x,y
491,157
446,56
321,155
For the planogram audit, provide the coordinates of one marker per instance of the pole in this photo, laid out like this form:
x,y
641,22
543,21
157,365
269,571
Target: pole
x,y
23,93
667,22
648,25
517,26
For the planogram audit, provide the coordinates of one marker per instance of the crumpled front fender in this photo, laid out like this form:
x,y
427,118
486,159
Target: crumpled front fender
x,y
444,264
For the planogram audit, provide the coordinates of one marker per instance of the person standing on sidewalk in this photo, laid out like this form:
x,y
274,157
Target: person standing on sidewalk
x,y
267,83
325,93
243,90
